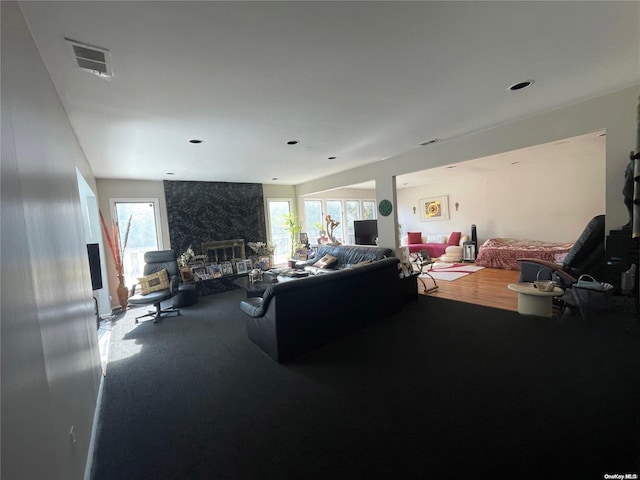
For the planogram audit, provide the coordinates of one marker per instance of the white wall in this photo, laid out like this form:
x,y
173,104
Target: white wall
x,y
615,112
541,197
50,361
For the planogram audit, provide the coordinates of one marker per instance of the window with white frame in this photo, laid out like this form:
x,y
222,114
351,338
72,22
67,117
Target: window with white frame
x,y
344,211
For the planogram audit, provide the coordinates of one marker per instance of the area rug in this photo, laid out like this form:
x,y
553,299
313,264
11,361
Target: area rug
x,y
452,271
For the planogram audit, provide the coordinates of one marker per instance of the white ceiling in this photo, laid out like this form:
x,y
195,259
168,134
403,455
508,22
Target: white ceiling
x,y
362,81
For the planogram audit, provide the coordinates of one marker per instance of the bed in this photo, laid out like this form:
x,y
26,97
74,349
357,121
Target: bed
x,y
504,252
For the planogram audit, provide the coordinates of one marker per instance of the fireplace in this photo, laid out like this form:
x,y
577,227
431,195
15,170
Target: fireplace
x,y
224,250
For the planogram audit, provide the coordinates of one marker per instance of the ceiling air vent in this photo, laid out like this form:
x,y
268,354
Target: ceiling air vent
x,y
90,58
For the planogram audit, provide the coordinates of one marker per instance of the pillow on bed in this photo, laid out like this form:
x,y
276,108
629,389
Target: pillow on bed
x,y
436,239
454,238
414,237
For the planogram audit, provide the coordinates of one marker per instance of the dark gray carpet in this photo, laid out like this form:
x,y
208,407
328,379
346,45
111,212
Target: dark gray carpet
x,y
441,390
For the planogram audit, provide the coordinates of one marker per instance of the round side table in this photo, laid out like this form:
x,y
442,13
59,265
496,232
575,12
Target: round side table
x,y
532,301
187,296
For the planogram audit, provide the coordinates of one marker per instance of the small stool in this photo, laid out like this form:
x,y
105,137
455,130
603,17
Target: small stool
x,y
187,296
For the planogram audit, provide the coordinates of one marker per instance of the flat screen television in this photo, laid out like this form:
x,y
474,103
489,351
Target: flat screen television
x,y
366,231
93,250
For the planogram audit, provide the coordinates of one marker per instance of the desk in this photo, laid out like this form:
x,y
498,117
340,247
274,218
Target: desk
x,y
532,301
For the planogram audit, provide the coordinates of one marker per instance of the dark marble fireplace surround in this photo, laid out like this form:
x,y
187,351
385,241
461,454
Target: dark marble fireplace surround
x,y
200,212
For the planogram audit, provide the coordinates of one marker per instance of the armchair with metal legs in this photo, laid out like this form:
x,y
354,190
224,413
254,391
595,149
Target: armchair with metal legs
x,y
155,262
422,260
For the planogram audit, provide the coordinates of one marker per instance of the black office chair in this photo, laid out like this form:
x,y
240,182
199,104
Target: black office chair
x,y
155,262
421,260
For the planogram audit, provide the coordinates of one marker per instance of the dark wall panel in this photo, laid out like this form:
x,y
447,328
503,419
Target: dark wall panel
x,y
205,211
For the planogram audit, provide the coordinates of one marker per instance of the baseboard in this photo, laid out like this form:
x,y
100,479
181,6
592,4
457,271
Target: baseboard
x,y
94,431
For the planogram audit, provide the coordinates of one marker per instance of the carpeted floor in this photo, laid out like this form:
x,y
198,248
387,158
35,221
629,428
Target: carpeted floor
x,y
441,390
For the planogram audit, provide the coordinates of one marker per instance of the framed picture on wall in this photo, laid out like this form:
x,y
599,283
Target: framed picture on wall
x,y
434,208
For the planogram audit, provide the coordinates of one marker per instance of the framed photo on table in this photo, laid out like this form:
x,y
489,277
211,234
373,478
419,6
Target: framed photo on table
x,y
186,274
266,262
227,268
241,267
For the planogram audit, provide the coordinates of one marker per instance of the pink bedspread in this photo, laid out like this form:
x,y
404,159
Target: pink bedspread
x,y
504,252
435,249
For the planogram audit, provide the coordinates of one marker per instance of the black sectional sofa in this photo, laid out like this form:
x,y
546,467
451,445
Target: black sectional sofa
x,y
296,316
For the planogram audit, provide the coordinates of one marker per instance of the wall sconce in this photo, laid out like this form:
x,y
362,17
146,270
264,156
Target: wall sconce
x,y
457,205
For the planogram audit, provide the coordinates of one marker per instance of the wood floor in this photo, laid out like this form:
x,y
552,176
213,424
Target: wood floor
x,y
486,287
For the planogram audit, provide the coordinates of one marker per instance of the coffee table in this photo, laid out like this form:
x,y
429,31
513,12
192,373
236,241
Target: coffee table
x,y
254,289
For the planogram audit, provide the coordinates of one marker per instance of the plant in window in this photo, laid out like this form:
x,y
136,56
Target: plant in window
x,y
292,225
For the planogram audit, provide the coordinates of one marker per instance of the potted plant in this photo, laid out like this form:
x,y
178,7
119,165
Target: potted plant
x,y
291,224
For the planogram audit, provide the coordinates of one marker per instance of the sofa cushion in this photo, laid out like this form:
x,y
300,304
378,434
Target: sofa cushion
x,y
436,239
454,238
350,254
414,237
154,282
326,261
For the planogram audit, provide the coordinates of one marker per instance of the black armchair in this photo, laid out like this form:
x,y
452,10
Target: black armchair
x,y
586,256
155,262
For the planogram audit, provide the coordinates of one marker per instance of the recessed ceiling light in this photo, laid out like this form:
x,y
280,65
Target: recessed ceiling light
x,y
520,85
292,142
195,140
332,158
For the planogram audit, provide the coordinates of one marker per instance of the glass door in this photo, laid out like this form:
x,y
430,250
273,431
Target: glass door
x,y
280,238
143,233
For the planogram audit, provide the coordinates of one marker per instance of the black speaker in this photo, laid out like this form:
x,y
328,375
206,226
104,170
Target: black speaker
x,y
93,250
474,235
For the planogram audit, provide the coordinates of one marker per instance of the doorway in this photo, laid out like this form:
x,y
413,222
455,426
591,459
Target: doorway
x,y
139,224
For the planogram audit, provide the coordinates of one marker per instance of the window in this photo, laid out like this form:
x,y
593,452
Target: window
x,y
352,208
313,219
344,211
369,210
278,208
144,233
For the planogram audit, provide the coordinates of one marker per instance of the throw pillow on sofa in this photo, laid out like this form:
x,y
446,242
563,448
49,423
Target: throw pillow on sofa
x,y
414,238
436,239
325,261
154,282
454,238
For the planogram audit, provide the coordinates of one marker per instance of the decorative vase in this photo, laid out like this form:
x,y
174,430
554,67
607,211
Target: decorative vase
x,y
123,293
